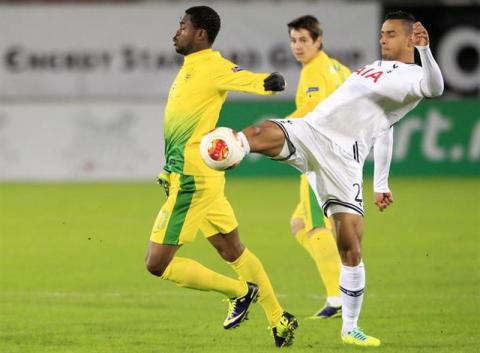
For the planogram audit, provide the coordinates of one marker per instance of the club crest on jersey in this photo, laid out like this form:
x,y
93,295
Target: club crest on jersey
x,y
369,73
237,69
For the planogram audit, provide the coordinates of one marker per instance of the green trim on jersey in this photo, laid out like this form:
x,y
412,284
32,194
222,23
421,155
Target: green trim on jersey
x,y
316,212
194,102
180,210
175,147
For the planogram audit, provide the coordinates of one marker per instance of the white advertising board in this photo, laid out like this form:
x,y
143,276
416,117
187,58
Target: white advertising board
x,y
125,51
81,141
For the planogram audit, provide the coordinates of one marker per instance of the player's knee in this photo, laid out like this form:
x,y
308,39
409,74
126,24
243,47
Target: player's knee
x,y
155,267
251,133
230,254
296,225
350,256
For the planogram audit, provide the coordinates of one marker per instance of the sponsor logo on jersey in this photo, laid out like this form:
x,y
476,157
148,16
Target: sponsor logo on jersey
x,y
369,73
312,89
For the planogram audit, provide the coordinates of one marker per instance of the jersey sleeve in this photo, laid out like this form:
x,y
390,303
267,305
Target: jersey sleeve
x,y
382,154
315,91
229,77
431,82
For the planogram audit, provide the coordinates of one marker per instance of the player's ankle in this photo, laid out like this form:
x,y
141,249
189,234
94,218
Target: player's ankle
x,y
244,142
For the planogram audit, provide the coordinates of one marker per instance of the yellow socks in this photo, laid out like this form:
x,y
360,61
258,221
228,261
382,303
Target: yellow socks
x,y
191,274
250,269
322,248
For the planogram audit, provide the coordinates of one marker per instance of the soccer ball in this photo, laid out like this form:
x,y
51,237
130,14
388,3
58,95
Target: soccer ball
x,y
220,149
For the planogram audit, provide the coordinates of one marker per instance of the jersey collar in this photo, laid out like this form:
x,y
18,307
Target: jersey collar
x,y
199,55
319,57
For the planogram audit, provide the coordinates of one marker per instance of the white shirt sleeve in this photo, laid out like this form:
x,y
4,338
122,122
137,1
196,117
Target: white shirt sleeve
x,y
382,154
431,84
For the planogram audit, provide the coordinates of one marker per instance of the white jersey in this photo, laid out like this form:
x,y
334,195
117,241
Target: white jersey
x,y
368,103
330,144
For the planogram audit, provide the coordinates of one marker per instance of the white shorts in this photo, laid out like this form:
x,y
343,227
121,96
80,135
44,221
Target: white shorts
x,y
334,175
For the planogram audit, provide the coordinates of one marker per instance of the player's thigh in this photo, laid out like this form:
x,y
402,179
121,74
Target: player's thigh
x,y
298,134
336,178
220,218
179,218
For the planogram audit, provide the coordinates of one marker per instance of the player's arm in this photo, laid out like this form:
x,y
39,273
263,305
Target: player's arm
x,y
431,84
382,153
229,77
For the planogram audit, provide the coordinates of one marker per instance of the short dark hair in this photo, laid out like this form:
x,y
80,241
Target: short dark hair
x,y
308,22
407,18
206,18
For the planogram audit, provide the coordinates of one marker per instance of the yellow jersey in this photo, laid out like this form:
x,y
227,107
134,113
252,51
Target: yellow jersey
x,y
194,103
319,78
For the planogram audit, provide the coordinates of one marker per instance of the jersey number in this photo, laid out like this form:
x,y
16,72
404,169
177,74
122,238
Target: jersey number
x,y
359,191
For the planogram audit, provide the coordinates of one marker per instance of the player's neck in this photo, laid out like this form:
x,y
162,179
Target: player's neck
x,y
312,58
406,57
199,47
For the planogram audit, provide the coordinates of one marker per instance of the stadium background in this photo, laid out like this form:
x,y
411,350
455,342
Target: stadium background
x,y
82,89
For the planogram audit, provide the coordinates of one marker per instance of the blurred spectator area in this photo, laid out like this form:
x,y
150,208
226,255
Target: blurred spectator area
x,y
393,2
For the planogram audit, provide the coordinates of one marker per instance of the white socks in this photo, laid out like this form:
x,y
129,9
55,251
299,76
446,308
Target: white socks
x,y
352,285
244,142
334,301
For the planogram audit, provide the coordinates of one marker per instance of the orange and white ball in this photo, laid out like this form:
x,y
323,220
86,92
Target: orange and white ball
x,y
220,149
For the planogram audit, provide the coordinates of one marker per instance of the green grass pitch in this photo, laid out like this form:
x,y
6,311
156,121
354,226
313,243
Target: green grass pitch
x,y
73,280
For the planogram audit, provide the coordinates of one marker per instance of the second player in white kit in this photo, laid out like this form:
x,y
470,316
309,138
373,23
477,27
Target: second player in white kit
x,y
331,144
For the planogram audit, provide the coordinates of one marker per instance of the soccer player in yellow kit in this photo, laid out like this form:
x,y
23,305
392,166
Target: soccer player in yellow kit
x,y
320,76
196,199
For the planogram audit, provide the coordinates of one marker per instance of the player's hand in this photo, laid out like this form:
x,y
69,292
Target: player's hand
x,y
275,82
383,200
163,179
419,35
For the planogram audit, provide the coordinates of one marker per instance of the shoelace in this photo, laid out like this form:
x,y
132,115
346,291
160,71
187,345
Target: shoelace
x,y
232,306
358,333
281,327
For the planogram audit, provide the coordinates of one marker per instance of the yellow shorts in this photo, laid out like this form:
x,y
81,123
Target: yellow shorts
x,y
194,203
308,209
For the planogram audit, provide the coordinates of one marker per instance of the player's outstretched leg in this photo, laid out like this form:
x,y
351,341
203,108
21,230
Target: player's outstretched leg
x,y
349,230
224,148
161,262
266,138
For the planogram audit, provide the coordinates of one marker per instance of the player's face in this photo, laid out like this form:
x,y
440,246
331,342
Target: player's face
x,y
183,41
395,40
304,48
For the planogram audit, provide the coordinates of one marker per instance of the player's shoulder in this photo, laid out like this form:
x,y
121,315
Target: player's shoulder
x,y
220,63
318,67
339,68
406,70
412,67
397,67
333,67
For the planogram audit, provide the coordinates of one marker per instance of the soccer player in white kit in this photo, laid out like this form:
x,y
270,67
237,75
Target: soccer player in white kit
x,y
331,143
